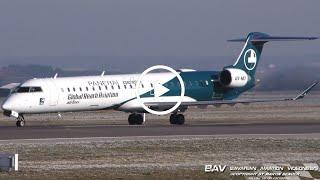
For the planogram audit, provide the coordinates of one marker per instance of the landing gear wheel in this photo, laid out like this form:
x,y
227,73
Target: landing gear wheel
x,y
172,118
180,119
135,119
177,119
131,119
20,121
139,119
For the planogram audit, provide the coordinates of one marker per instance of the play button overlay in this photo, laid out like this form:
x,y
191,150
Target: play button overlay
x,y
159,90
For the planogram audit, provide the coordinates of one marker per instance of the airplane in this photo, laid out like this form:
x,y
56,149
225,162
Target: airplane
x,y
118,92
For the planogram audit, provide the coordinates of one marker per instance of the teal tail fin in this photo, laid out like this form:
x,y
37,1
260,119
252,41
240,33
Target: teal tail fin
x,y
250,55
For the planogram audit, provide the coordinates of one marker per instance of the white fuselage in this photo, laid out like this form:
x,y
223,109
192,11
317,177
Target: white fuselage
x,y
86,93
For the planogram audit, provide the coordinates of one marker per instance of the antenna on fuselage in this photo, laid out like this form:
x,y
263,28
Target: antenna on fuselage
x,y
55,76
102,74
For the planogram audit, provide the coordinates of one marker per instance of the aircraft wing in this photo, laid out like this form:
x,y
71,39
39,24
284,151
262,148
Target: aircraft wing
x,y
230,102
10,86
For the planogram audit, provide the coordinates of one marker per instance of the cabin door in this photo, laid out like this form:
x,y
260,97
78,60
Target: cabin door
x,y
53,93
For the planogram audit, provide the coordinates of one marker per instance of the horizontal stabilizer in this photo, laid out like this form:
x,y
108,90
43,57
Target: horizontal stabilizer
x,y
262,37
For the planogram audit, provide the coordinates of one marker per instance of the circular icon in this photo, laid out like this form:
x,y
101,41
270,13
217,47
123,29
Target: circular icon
x,y
181,85
250,59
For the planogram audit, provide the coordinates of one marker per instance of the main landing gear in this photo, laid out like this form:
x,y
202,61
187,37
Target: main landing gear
x,y
136,119
177,119
20,121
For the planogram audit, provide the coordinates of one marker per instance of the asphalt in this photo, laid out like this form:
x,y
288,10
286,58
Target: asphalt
x,y
39,132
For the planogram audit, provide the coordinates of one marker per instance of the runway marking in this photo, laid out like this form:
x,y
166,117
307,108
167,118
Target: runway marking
x,y
131,138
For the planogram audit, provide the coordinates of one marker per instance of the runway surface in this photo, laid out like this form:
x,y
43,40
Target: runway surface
x,y
38,132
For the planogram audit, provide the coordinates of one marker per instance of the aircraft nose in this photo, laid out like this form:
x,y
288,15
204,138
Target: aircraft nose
x,y
6,106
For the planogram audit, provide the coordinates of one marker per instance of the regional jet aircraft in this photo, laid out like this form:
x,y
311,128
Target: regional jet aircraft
x,y
119,92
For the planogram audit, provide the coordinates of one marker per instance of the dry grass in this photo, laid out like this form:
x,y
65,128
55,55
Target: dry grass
x,y
116,173
164,158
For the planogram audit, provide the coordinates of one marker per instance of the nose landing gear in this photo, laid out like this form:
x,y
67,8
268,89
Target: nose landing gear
x,y
20,121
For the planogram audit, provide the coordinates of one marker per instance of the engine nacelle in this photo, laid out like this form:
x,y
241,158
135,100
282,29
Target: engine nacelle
x,y
233,78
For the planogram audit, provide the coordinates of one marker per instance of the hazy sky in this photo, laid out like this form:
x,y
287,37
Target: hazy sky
x,y
152,27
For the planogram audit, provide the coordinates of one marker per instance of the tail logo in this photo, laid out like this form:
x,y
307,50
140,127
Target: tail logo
x,y
250,59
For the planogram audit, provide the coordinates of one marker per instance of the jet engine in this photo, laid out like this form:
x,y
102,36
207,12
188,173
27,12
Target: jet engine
x,y
233,78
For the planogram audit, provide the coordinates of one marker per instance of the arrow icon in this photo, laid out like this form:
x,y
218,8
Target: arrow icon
x,y
159,90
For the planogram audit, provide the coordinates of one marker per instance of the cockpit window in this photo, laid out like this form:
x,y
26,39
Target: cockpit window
x,y
23,89
35,89
26,89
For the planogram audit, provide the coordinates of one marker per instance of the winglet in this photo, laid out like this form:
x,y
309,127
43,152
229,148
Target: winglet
x,y
55,76
306,91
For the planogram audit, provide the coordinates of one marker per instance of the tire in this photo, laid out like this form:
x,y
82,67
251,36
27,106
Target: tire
x,y
173,119
139,119
135,119
20,123
131,119
180,119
